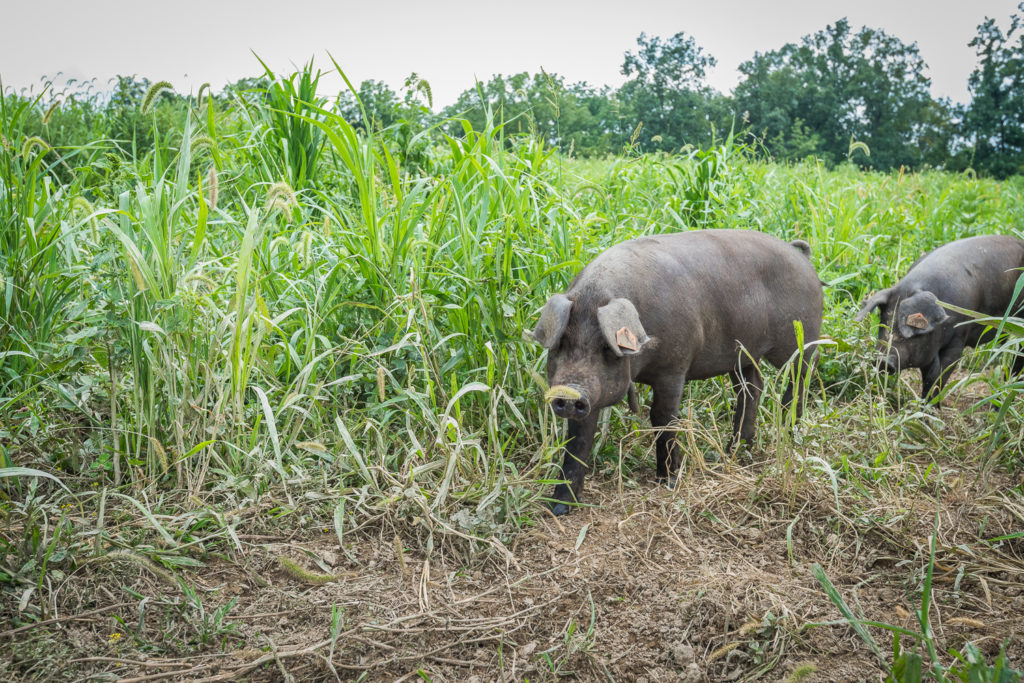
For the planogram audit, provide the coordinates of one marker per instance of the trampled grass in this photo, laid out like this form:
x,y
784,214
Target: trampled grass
x,y
335,343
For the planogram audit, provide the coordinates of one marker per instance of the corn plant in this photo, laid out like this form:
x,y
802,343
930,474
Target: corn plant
x,y
289,139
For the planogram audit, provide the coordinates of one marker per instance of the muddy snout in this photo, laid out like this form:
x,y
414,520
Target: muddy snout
x,y
568,401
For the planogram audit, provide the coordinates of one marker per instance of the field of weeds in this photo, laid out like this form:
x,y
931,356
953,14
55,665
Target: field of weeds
x,y
267,413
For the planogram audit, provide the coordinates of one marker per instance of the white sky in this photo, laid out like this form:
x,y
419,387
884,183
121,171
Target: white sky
x,y
448,43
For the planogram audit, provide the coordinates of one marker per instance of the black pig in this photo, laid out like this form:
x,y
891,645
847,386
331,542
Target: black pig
x,y
978,273
666,309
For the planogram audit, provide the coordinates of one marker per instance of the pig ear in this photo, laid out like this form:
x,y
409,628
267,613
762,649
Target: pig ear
x,y
920,314
553,319
879,299
620,325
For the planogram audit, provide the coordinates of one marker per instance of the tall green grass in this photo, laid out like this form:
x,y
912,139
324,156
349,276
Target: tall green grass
x,y
41,262
333,315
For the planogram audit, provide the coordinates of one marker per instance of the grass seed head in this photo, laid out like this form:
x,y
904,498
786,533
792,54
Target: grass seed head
x,y
140,282
281,196
294,570
400,553
202,141
749,627
722,651
205,87
306,247
49,112
636,133
82,205
30,145
160,452
154,92
140,561
562,391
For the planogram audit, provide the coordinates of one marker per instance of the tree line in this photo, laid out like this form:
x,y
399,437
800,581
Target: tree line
x,y
819,97
838,94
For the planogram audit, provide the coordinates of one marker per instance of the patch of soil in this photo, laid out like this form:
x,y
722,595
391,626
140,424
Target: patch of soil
x,y
711,581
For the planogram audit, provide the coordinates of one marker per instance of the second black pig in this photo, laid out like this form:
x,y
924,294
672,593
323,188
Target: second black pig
x,y
666,309
978,273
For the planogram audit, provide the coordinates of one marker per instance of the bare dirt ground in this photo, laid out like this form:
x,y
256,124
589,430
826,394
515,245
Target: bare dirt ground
x,y
709,582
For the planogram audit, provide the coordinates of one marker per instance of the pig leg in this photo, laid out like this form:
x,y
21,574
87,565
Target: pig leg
x,y
664,408
634,404
929,378
747,383
576,462
948,357
933,378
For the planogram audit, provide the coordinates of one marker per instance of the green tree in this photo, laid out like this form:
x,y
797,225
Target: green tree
x,y
667,95
380,108
505,99
994,120
592,121
402,122
125,125
565,116
837,86
251,89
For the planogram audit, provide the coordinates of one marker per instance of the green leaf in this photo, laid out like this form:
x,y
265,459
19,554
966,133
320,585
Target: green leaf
x,y
29,472
582,535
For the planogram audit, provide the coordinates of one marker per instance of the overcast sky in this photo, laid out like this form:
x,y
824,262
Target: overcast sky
x,y
448,43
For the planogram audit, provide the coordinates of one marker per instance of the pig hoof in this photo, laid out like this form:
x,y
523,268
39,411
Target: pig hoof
x,y
667,479
559,509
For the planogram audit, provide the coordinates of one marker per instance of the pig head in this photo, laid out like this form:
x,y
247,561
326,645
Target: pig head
x,y
912,330
592,371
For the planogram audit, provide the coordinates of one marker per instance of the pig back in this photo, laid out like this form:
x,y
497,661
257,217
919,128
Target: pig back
x,y
704,293
979,273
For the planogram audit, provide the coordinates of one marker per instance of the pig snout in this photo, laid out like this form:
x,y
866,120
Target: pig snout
x,y
573,404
